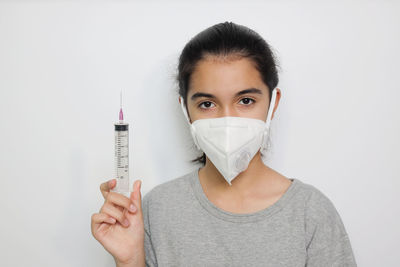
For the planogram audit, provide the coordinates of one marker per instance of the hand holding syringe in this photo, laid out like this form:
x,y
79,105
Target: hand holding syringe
x,y
119,225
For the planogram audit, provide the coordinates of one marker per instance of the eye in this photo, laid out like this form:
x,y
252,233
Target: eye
x,y
205,104
247,101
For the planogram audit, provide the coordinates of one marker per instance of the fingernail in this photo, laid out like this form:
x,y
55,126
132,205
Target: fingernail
x,y
126,222
132,208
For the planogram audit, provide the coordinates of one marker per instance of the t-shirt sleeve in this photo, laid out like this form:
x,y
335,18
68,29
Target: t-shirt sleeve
x,y
150,260
327,241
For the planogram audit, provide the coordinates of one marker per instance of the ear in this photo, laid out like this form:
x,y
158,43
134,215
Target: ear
x,y
184,109
277,98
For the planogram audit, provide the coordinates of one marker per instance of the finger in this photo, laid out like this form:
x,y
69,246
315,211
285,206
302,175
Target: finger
x,y
121,200
99,218
118,207
107,186
136,195
112,211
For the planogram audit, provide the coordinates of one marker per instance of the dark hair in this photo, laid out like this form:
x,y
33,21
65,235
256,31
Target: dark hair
x,y
224,40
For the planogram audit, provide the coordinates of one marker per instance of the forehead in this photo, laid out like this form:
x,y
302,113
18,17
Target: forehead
x,y
225,76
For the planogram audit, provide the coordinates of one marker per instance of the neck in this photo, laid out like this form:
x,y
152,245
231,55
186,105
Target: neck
x,y
243,184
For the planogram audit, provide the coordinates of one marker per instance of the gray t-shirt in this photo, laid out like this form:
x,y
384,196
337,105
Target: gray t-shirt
x,y
184,228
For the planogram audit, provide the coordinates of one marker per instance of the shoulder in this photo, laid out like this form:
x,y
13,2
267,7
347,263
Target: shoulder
x,y
308,197
322,220
327,241
318,206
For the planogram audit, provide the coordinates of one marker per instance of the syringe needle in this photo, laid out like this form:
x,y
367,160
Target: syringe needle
x,y
121,114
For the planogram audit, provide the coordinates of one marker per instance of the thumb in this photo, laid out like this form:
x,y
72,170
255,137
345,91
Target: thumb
x,y
136,195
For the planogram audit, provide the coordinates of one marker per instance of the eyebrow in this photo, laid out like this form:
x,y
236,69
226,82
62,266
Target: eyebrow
x,y
245,91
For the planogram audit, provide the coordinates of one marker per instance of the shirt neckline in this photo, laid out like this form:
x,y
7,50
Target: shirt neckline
x,y
241,217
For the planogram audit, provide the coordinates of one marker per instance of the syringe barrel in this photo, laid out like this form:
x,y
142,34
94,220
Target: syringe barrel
x,y
122,158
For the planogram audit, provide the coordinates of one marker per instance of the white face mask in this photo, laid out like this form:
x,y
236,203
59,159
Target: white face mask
x,y
231,142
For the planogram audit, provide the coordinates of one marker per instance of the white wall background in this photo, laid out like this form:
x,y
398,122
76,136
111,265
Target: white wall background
x,y
62,65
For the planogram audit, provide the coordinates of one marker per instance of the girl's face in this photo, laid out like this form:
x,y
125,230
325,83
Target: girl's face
x,y
228,88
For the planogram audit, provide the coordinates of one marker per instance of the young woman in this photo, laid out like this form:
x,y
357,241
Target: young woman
x,y
233,210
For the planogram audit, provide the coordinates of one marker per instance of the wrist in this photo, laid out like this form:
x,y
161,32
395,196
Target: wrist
x,y
137,261
130,265
133,263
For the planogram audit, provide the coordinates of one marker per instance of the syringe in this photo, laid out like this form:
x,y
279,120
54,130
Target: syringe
x,y
121,154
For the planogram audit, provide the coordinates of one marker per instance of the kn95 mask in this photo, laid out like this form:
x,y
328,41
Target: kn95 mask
x,y
231,142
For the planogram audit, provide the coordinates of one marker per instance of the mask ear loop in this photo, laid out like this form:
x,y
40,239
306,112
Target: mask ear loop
x,y
268,123
184,110
271,108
